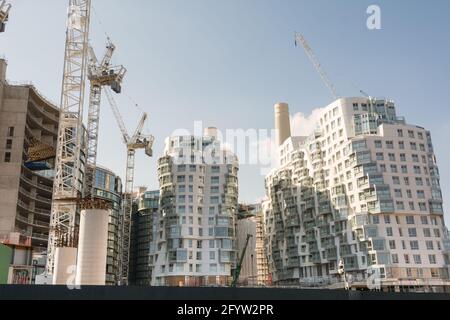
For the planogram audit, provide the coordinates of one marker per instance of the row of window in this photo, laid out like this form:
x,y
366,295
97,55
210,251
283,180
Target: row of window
x,y
182,189
198,268
411,134
9,142
190,179
412,233
410,220
404,169
193,168
393,158
401,145
417,258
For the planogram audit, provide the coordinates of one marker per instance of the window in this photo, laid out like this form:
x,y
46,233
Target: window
x,y
423,206
355,107
394,168
412,232
389,232
214,189
409,194
392,157
417,259
417,170
378,144
424,220
215,169
415,158
437,233
410,220
376,219
392,245
214,200
430,245
432,259
406,179
419,182
215,180
421,194
427,233
403,157
400,205
212,255
383,168
395,258
181,179
7,156
8,144
390,144
401,145
414,245
411,134
387,219
398,193
413,146
407,259
405,169
182,168
11,132
420,135
400,133
380,156
412,206
422,147
396,180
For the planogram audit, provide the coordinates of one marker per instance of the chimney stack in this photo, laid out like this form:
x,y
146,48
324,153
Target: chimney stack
x,y
282,122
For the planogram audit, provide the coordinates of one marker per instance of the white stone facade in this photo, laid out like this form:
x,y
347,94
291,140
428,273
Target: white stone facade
x,y
196,230
364,188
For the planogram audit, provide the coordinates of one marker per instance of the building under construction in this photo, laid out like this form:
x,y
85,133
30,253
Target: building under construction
x,y
28,134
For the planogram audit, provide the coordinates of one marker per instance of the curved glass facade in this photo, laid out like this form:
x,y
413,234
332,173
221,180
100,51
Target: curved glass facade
x,y
108,186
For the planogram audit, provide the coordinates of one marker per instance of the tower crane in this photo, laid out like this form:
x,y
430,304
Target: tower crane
x,y
68,181
300,40
100,75
136,142
237,272
4,14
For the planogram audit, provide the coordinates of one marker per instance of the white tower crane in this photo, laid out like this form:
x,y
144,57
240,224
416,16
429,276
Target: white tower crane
x,y
69,167
100,75
300,39
4,14
136,142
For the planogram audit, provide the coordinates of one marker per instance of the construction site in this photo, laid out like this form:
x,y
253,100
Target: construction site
x,y
67,229
325,222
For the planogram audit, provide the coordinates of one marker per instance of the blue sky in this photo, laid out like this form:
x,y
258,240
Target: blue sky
x,y
228,62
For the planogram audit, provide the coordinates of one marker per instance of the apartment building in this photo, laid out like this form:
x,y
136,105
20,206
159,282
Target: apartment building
x,y
143,231
196,240
28,137
363,189
255,270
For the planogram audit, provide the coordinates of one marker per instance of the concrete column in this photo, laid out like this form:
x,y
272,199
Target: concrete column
x,y
92,248
65,264
282,123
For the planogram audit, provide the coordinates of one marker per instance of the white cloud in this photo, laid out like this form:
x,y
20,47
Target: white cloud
x,y
302,125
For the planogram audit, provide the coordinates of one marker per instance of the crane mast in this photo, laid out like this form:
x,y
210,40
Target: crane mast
x,y
300,39
100,75
137,141
69,166
237,272
4,14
